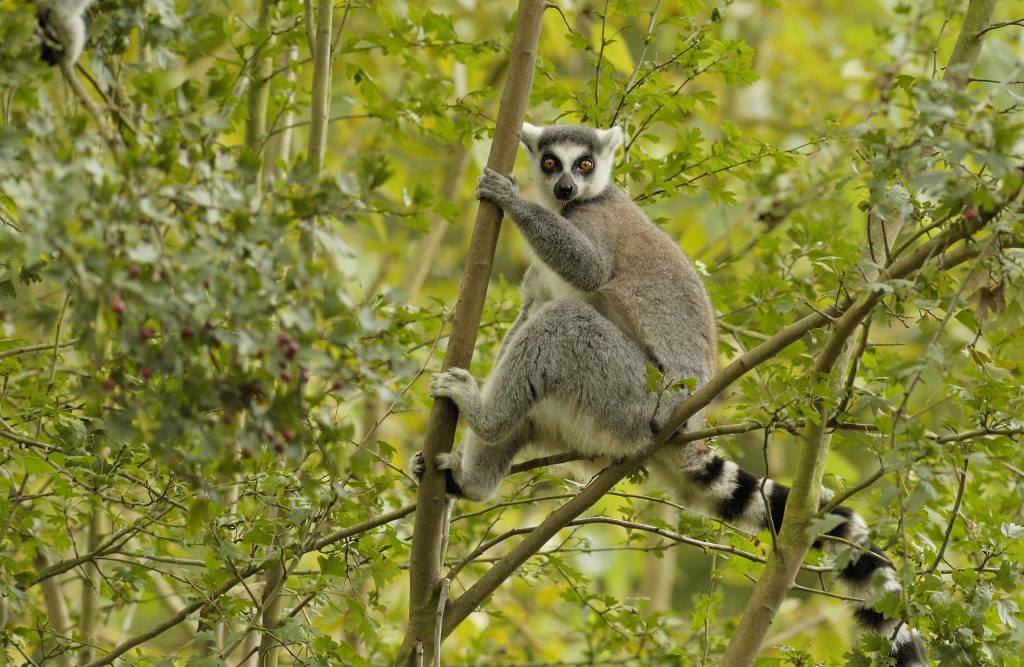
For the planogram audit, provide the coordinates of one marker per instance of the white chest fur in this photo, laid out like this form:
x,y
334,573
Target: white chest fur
x,y
556,285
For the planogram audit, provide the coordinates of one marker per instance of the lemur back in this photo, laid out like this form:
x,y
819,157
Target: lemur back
x,y
609,294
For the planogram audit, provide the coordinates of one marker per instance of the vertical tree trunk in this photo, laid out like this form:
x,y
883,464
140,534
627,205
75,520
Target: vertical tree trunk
x,y
425,562
321,105
259,84
660,569
89,618
279,146
802,506
794,539
56,608
273,601
968,42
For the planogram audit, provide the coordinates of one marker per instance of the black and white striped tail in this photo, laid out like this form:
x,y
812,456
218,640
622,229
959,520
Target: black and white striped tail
x,y
51,47
723,489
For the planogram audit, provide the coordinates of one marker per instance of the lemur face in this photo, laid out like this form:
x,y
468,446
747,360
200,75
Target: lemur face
x,y
570,162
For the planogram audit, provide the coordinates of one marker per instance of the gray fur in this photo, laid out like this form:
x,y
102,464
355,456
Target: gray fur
x,y
608,294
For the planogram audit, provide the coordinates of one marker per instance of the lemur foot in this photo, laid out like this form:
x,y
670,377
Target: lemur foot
x,y
449,464
418,464
496,187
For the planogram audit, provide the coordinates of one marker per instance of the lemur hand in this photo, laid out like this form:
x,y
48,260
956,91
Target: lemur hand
x,y
495,187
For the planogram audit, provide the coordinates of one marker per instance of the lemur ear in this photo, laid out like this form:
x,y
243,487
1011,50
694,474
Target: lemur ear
x,y
529,136
610,139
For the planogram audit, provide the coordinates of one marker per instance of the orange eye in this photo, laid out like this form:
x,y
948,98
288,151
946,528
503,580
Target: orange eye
x,y
549,163
586,166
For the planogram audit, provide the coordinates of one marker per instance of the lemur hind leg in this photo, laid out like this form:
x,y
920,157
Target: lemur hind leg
x,y
567,352
475,469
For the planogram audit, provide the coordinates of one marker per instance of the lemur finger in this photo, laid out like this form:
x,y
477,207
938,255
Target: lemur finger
x,y
486,191
446,375
460,373
443,386
494,177
497,175
498,197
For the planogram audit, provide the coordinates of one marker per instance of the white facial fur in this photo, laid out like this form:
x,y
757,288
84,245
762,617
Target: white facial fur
x,y
568,145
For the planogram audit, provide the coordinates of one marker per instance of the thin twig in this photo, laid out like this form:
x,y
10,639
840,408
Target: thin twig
x,y
952,518
1001,24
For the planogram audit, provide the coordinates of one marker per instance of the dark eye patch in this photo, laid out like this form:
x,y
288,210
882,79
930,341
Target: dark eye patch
x,y
550,163
585,164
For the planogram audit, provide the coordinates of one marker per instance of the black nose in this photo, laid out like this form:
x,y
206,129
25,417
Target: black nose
x,y
565,189
564,192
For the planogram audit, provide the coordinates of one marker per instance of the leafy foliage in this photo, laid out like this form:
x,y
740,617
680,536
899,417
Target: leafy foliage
x,y
211,355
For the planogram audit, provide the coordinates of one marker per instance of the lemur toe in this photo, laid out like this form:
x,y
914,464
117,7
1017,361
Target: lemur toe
x,y
417,464
460,373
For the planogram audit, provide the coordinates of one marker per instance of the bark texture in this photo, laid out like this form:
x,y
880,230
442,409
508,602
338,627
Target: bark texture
x,y
425,561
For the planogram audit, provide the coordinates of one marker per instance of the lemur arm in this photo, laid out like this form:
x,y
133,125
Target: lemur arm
x,y
558,243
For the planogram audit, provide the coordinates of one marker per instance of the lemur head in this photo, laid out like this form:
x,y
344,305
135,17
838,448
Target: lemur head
x,y
570,161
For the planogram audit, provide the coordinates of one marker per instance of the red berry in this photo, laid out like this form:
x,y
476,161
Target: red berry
x,y
279,447
187,331
145,333
285,376
287,433
283,339
146,373
259,354
971,214
246,453
134,271
118,305
109,384
291,350
206,283
337,384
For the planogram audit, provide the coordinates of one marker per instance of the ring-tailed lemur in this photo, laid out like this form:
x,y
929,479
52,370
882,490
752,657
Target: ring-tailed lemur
x,y
609,293
62,29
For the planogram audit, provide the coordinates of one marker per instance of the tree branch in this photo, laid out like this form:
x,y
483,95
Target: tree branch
x,y
965,54
234,580
424,561
848,314
802,504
